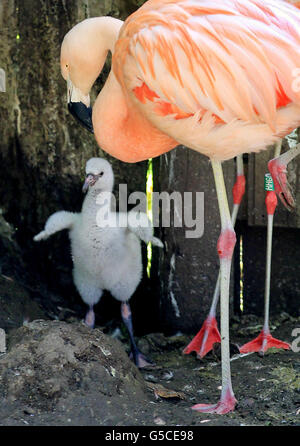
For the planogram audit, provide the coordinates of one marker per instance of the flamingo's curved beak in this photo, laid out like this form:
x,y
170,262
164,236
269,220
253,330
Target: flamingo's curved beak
x,y
79,106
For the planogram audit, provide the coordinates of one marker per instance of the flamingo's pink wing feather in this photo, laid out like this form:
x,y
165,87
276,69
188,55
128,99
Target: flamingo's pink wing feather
x,y
236,59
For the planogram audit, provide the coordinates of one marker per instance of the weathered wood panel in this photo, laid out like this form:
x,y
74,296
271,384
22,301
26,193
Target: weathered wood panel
x,y
285,278
188,267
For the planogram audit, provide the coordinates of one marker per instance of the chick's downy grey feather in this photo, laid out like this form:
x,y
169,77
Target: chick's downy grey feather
x,y
105,246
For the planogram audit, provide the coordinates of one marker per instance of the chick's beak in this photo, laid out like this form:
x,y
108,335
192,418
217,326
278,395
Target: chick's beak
x,y
89,181
79,106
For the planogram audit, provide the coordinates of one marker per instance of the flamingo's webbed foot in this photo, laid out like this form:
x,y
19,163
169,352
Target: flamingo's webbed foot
x,y
226,404
205,339
262,343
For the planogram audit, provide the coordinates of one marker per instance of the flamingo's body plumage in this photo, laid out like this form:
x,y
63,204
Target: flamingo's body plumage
x,y
219,76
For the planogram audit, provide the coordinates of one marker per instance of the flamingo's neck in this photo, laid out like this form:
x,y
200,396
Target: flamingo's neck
x,y
122,130
90,41
107,30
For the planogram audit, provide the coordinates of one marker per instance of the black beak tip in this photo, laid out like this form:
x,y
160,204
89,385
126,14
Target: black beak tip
x,y
82,113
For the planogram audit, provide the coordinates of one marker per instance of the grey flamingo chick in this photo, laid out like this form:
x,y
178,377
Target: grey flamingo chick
x,y
105,246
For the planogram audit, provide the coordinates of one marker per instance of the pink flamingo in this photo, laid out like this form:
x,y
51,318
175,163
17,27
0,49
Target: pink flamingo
x,y
265,340
214,75
278,166
209,334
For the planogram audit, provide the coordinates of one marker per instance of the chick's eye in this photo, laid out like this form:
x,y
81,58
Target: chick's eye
x,y
101,174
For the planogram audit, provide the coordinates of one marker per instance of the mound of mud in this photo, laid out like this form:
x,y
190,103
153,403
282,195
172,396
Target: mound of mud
x,y
54,366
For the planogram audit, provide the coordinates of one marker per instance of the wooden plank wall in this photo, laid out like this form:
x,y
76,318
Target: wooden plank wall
x,y
188,268
285,285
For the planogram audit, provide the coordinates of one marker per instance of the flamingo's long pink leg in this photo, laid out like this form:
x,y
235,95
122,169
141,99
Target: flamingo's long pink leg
x,y
278,170
265,340
209,334
225,248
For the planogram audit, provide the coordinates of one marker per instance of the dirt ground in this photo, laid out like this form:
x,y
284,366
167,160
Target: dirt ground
x,y
62,373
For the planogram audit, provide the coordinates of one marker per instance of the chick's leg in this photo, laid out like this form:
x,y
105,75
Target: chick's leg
x,y
140,360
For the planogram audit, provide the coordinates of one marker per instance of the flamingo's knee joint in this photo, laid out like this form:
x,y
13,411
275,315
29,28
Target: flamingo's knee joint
x,y
238,190
226,244
271,202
